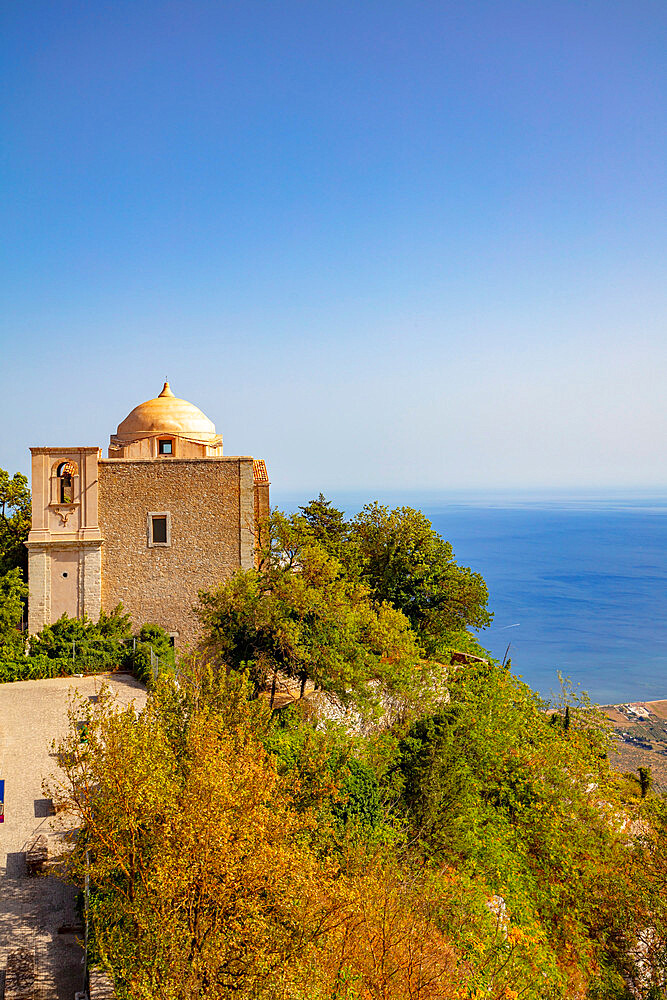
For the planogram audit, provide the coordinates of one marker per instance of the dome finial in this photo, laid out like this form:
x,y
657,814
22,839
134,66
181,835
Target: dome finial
x,y
166,391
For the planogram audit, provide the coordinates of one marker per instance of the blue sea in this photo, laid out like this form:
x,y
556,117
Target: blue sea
x,y
578,584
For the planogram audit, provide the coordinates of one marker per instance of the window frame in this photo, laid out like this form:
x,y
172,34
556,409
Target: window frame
x,y
152,544
58,484
165,454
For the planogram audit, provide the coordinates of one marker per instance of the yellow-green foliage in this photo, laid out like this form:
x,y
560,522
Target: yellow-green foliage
x,y
310,622
479,848
532,810
240,853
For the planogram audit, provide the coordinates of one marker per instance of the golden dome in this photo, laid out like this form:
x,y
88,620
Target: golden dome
x,y
166,414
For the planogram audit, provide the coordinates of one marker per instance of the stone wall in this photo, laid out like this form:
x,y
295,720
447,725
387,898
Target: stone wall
x,y
262,511
64,558
39,577
210,502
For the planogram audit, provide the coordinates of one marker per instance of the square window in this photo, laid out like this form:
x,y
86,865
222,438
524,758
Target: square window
x,y
166,447
159,528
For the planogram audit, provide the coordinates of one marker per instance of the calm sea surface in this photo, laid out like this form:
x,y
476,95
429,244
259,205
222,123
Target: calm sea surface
x,y
577,585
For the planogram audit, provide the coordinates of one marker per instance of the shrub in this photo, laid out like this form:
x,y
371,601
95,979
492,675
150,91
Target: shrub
x,y
151,638
76,645
360,802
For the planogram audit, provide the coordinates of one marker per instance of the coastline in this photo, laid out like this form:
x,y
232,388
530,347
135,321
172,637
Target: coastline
x,y
640,731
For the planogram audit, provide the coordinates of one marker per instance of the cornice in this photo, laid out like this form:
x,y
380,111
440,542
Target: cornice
x,y
170,460
75,449
66,543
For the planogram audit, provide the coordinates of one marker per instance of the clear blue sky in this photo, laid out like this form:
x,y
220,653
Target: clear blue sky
x,y
381,244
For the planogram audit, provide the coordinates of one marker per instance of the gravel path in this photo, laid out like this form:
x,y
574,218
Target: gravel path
x,y
34,909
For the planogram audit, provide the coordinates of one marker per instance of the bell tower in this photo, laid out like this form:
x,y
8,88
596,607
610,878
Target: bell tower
x,y
65,542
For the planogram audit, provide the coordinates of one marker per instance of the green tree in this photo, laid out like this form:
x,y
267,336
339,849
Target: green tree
x,y
327,525
645,780
439,785
566,719
403,561
82,638
15,519
55,641
407,564
13,592
301,616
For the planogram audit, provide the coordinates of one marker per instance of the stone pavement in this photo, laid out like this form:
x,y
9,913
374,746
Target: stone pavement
x,y
34,909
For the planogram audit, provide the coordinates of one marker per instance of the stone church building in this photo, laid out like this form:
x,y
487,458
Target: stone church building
x,y
165,515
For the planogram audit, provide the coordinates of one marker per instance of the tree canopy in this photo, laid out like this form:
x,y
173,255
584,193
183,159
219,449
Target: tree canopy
x,y
301,615
15,518
477,851
13,593
371,582
326,523
406,563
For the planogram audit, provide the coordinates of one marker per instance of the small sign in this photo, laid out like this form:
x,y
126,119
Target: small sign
x,y
2,800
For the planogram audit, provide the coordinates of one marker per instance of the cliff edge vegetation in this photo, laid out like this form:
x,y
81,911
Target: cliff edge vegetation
x,y
476,846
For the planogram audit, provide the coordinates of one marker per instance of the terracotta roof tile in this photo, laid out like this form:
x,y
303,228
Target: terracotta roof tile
x,y
260,474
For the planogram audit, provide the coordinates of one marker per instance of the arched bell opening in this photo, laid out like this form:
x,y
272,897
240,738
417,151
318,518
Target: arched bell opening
x,y
65,474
